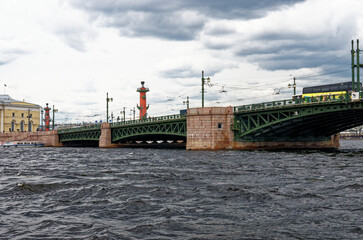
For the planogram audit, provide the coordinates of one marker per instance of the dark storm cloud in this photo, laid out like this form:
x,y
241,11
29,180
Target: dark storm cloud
x,y
176,26
291,50
173,20
237,9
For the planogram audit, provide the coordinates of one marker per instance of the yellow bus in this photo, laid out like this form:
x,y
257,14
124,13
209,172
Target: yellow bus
x,y
329,89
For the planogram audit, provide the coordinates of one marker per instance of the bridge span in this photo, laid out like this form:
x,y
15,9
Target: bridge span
x,y
299,123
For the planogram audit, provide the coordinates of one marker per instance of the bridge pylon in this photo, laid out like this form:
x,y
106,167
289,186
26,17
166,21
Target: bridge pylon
x,y
355,53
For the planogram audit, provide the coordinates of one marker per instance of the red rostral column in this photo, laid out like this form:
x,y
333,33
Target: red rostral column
x,y
47,117
143,106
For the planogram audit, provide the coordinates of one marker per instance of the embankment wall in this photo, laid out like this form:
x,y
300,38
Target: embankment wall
x,y
50,138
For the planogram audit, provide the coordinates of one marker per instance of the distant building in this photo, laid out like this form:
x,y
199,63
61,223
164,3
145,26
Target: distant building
x,y
18,115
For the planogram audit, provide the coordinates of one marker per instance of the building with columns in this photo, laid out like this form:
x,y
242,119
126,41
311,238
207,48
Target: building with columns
x,y
18,116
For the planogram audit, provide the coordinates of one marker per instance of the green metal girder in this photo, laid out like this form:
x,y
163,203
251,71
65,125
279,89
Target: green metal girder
x,y
304,121
83,135
175,128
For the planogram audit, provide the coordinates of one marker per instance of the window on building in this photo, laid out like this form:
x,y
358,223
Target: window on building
x,y
22,126
13,126
220,125
30,127
22,115
13,114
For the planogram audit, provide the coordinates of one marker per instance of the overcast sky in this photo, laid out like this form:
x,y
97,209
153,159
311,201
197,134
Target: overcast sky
x,y
69,53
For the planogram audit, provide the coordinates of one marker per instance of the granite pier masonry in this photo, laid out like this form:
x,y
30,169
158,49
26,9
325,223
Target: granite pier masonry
x,y
210,128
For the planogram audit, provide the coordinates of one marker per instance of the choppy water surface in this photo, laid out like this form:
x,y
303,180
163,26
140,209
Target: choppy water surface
x,y
92,193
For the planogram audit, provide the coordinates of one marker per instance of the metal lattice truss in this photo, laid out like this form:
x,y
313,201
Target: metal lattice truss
x,y
171,129
297,122
83,135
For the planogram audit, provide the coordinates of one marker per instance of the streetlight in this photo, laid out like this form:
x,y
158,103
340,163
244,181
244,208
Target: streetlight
x,y
54,111
123,113
186,102
107,100
203,83
29,124
294,86
41,118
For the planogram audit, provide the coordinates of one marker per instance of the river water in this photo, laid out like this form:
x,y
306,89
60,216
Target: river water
x,y
93,193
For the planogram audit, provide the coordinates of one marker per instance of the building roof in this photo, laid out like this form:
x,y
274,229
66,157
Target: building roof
x,y
5,99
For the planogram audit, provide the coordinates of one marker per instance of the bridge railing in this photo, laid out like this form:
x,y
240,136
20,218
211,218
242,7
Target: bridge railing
x,y
89,127
150,119
130,122
296,101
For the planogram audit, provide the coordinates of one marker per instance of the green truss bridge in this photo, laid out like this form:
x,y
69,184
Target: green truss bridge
x,y
299,123
308,119
171,128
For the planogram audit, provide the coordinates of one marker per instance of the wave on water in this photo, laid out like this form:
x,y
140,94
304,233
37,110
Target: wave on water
x,y
92,193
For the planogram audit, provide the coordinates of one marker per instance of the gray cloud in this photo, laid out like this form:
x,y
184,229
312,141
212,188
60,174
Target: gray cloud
x,y
181,72
191,71
9,55
272,48
236,9
282,49
75,36
174,20
176,26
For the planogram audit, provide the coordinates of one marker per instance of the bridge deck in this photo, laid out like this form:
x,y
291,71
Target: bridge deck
x,y
170,125
294,102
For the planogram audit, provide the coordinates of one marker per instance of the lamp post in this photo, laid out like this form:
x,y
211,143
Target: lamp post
x,y
107,100
294,86
29,117
186,102
123,113
358,67
203,83
54,111
41,118
353,66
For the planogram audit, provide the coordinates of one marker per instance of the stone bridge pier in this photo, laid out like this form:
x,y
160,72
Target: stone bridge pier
x,y
211,128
